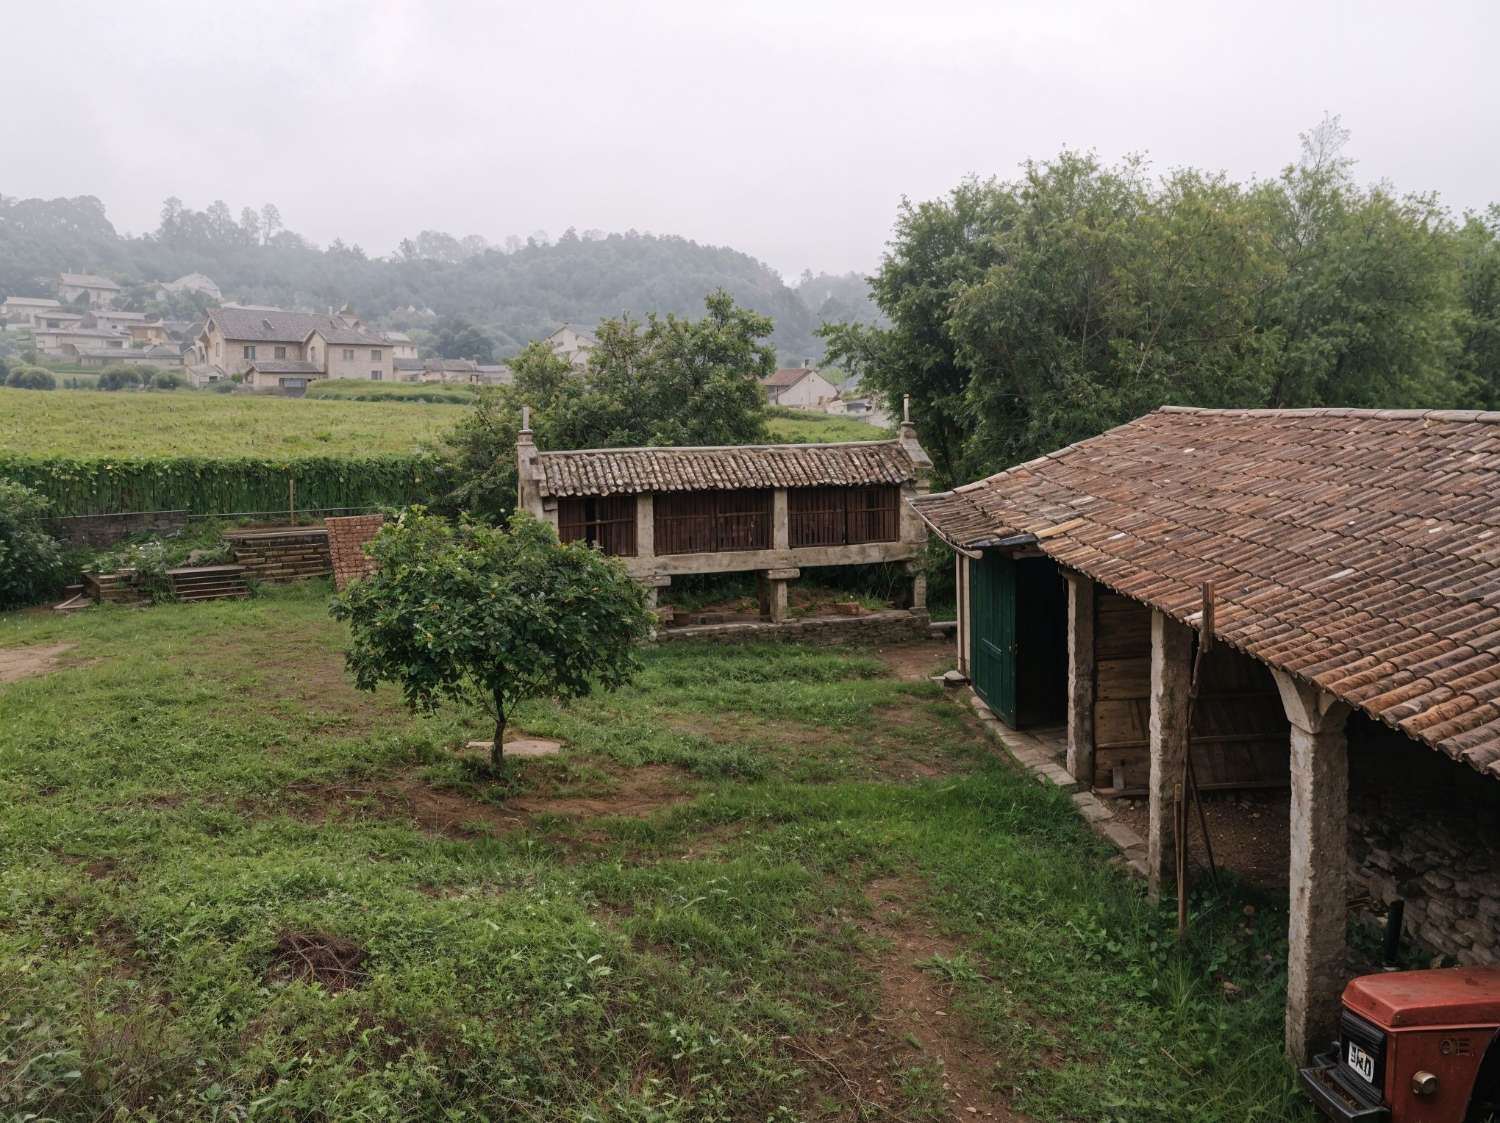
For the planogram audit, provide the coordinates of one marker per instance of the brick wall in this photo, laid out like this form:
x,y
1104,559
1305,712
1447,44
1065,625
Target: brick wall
x,y
346,546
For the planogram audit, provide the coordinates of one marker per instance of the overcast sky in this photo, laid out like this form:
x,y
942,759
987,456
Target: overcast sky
x,y
786,128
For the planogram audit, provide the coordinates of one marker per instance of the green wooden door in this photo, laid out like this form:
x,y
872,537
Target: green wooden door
x,y
992,628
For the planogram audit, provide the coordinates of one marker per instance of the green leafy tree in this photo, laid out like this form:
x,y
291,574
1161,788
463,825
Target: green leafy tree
x,y
31,561
1028,314
31,378
457,338
664,381
495,616
1478,360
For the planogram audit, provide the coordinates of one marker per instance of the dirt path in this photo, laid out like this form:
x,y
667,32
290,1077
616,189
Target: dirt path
x,y
921,659
913,1024
23,662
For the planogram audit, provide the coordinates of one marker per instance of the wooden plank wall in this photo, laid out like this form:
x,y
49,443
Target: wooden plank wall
x,y
1240,731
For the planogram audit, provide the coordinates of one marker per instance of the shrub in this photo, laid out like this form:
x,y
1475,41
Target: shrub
x,y
167,380
31,378
31,561
119,378
492,616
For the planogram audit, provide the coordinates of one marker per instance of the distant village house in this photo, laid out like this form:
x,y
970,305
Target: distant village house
x,y
101,291
799,387
572,344
273,349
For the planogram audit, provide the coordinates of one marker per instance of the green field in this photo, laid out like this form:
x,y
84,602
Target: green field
x,y
816,428
764,883
181,423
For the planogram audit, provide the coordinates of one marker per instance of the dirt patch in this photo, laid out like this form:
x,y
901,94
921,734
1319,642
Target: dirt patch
x,y
1250,832
17,663
332,961
913,1024
914,662
441,811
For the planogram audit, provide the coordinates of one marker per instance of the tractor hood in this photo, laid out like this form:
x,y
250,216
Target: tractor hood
x,y
1453,996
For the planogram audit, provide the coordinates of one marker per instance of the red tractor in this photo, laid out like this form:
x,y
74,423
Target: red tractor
x,y
1413,1047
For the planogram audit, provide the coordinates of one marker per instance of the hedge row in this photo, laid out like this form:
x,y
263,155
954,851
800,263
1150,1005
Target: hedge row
x,y
203,485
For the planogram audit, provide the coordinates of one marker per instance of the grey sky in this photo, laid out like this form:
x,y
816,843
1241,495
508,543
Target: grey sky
x,y
786,129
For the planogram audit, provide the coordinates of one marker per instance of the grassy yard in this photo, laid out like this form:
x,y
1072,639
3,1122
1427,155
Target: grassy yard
x,y
764,883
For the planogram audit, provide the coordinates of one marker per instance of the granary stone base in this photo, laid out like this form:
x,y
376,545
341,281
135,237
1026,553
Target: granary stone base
x,y
878,627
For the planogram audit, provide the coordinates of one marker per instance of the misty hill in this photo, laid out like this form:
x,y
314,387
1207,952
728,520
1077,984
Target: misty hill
x,y
516,293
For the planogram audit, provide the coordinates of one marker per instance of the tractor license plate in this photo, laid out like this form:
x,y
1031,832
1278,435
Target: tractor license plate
x,y
1360,1061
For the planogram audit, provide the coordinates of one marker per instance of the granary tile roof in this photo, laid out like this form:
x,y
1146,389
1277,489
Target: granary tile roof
x,y
620,471
1358,550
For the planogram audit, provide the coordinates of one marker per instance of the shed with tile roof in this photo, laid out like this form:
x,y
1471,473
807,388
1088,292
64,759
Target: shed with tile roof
x,y
767,509
1352,556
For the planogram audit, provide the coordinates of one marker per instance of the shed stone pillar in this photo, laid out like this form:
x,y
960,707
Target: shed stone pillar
x,y
1315,969
1171,678
1080,677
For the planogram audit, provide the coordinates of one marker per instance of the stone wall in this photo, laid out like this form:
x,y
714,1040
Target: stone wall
x,y
1426,829
346,546
106,530
878,627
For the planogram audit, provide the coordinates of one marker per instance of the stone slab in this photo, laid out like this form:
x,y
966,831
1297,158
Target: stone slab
x,y
522,747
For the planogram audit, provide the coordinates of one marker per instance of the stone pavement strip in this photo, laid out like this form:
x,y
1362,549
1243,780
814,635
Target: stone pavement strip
x,y
1032,755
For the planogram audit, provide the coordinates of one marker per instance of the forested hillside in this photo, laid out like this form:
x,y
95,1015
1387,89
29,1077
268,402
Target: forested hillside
x,y
515,293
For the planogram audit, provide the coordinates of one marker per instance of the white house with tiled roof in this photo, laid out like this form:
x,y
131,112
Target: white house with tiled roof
x,y
799,388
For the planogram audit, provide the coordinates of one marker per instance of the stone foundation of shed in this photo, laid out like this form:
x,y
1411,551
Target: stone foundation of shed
x,y
899,626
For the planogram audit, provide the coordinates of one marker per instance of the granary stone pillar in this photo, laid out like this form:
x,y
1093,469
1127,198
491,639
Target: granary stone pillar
x,y
1080,677
772,584
645,525
917,602
781,529
1171,678
1315,969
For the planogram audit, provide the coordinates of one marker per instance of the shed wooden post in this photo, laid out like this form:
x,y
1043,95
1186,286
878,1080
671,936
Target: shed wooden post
x,y
1171,677
1080,677
961,589
1315,969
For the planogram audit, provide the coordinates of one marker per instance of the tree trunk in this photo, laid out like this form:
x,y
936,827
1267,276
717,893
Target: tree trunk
x,y
497,748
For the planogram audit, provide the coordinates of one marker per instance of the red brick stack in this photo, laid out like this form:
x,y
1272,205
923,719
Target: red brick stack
x,y
346,546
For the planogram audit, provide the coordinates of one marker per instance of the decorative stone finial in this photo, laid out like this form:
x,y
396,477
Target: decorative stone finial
x,y
525,419
906,409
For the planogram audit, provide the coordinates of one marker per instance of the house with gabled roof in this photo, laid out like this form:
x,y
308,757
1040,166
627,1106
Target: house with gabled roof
x,y
572,344
255,343
101,291
798,388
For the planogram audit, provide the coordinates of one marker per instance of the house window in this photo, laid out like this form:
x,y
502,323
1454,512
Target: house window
x,y
249,351
703,522
374,354
281,352
374,376
843,516
218,350
605,521
349,354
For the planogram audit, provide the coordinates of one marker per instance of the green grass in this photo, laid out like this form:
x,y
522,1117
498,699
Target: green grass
x,y
800,426
59,423
356,390
197,781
